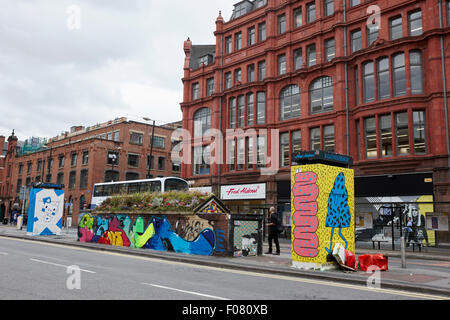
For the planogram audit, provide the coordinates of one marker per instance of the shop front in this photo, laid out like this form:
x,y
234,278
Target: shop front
x,y
245,198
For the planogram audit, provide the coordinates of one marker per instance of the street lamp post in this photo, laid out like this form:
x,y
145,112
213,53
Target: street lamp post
x,y
151,147
113,158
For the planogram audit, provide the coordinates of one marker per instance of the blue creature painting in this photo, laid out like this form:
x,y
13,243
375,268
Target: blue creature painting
x,y
338,215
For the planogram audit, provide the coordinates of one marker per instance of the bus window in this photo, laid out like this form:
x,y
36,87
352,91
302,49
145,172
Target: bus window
x,y
133,187
117,189
107,190
98,191
124,188
175,184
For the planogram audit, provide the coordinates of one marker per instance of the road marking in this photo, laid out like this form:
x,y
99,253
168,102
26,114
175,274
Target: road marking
x,y
264,275
185,291
59,265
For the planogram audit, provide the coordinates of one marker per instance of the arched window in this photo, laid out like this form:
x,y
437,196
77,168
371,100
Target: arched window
x,y
202,121
290,102
415,63
321,95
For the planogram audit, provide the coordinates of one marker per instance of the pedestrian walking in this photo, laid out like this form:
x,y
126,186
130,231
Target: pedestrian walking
x,y
273,231
409,231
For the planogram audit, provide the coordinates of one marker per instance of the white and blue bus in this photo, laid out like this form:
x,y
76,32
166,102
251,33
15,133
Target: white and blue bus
x,y
105,190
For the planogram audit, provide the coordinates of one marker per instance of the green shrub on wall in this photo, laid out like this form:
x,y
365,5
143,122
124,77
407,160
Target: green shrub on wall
x,y
179,201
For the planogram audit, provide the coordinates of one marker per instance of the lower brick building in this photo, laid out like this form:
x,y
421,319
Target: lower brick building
x,y
116,150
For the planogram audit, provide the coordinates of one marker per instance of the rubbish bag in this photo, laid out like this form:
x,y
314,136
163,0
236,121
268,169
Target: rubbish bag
x,y
339,253
367,260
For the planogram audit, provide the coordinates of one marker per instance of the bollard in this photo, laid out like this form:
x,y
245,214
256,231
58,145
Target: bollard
x,y
403,252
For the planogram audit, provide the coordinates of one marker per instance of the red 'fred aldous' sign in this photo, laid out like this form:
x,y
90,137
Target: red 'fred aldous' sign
x,y
245,191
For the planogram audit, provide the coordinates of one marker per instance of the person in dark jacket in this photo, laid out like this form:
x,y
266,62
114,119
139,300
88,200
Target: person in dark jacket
x,y
273,232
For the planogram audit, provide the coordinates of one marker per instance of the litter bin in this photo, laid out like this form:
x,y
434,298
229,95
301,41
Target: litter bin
x,y
19,222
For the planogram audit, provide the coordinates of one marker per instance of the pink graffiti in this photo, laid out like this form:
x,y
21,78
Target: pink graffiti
x,y
305,192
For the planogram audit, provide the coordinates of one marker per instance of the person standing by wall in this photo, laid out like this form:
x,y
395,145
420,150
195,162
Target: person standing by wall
x,y
273,232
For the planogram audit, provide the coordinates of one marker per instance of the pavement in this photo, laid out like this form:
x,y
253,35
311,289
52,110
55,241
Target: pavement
x,y
426,272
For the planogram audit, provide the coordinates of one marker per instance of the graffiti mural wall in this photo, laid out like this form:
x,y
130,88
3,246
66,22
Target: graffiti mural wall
x,y
322,204
202,234
45,212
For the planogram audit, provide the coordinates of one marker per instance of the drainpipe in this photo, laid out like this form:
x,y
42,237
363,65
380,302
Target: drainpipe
x,y
444,85
219,167
347,135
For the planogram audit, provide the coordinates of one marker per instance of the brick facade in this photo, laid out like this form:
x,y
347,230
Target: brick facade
x,y
395,83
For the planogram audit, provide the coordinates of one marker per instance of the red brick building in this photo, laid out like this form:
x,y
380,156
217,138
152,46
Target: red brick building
x,y
360,78
117,150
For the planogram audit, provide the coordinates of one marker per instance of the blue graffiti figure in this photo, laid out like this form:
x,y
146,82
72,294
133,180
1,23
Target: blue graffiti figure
x,y
338,215
166,239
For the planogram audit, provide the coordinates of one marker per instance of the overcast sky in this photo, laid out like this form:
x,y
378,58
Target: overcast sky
x,y
83,62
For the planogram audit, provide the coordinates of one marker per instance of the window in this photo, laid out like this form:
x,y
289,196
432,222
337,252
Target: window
x,y
61,161
85,157
136,138
290,102
281,64
232,112
284,149
227,80
161,163
228,44
383,78
281,23
296,141
73,159
38,167
251,36
72,179
195,88
368,82
399,74
29,167
84,179
133,160
402,134
261,70
202,121
415,23
240,111
354,2
231,155
250,104
328,7
251,73
201,160
385,135
250,157
20,168
158,142
321,95
112,158
60,178
261,107
210,87
328,138
116,135
261,152
314,137
240,154
298,20
237,75
311,54
260,3
419,132
261,31
298,59
358,139
415,65
372,34
355,37
370,136
310,12
395,28
238,41
112,175
329,49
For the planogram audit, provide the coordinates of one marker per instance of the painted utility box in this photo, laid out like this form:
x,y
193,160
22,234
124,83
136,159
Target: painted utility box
x,y
322,206
45,211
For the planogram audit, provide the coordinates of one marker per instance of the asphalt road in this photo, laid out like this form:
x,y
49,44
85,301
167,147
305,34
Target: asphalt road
x,y
33,270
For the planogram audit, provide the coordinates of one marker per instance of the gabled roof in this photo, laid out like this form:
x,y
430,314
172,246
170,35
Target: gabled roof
x,y
212,205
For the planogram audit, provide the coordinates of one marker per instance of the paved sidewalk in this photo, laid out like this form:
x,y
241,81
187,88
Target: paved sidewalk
x,y
427,272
